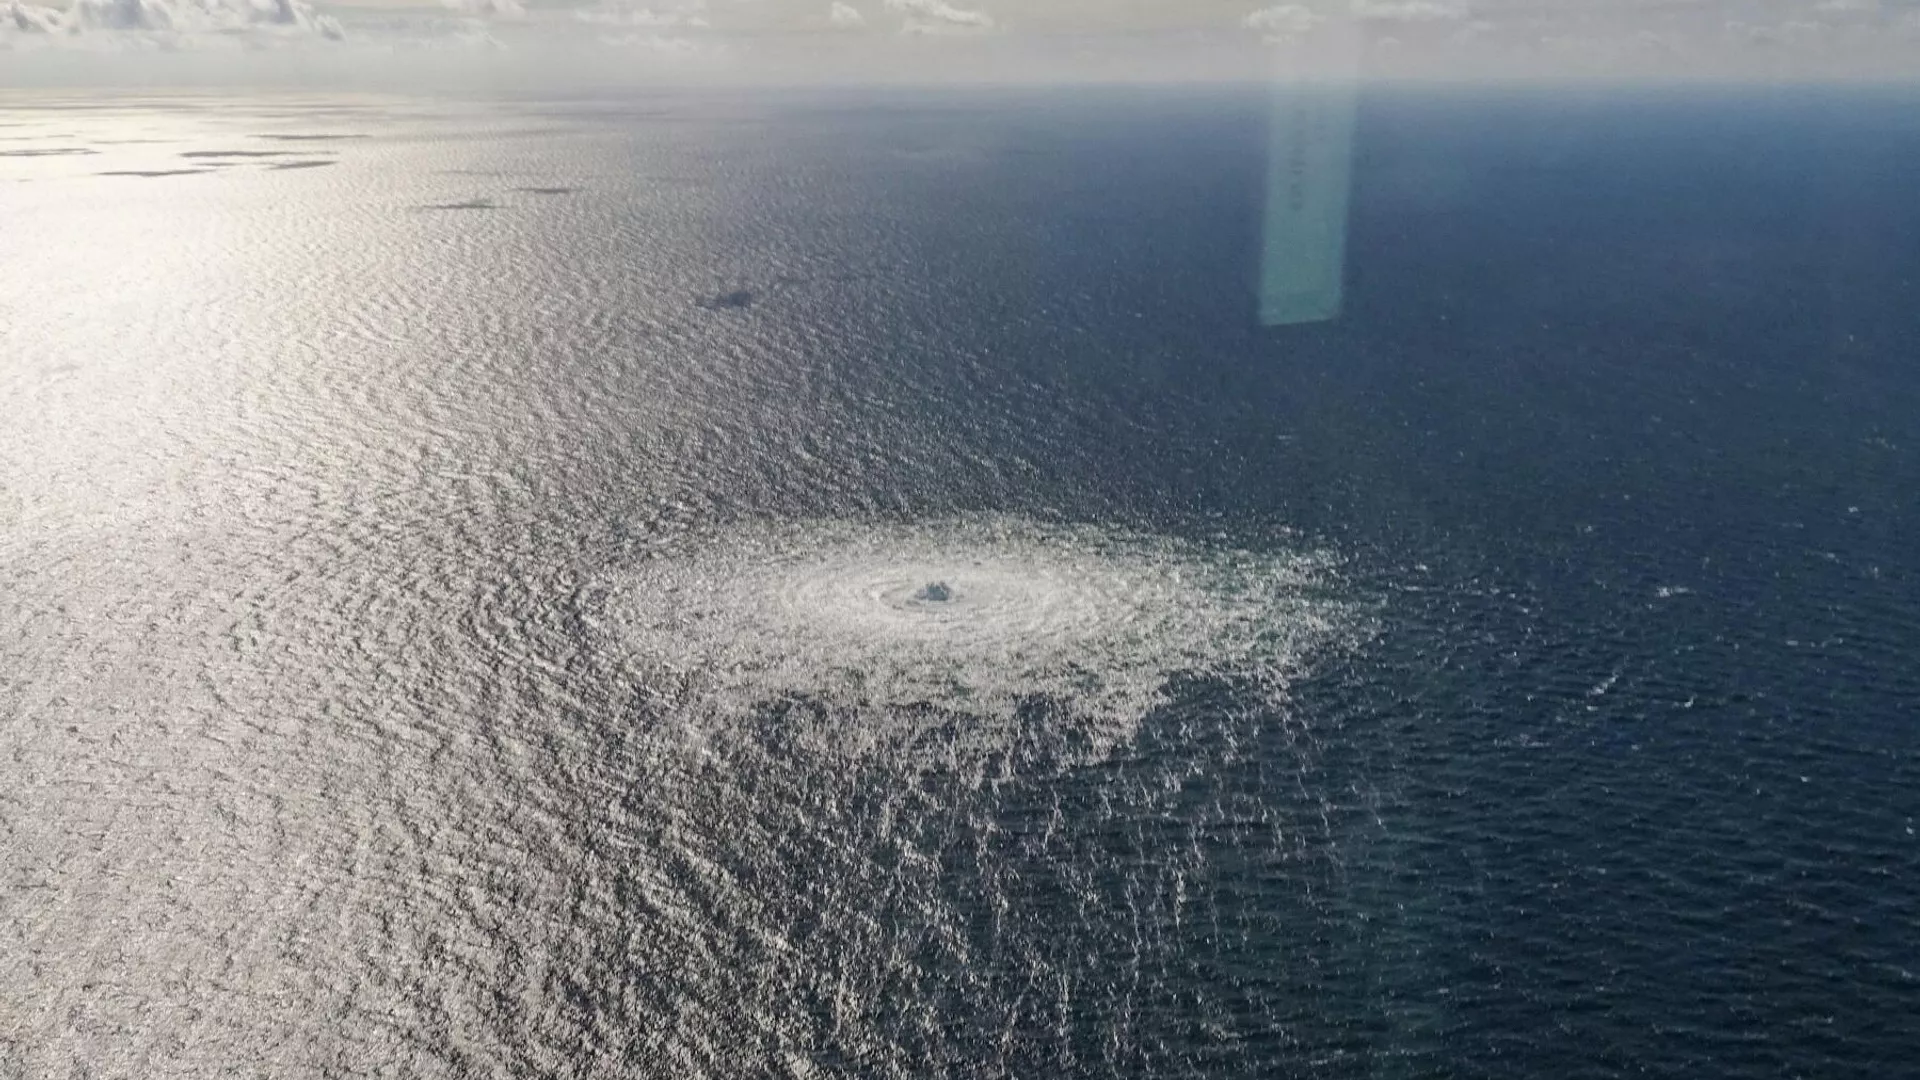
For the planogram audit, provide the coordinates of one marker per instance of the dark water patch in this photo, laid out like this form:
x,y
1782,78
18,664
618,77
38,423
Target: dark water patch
x,y
316,164
217,154
151,173
738,298
467,204
310,138
547,190
51,151
747,296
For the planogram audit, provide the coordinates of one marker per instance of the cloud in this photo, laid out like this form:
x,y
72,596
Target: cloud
x,y
675,32
1289,22
148,15
1282,23
488,9
30,19
664,44
171,23
939,17
625,13
1408,11
1788,33
1122,39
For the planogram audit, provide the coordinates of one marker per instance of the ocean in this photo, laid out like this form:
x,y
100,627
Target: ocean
x,y
842,585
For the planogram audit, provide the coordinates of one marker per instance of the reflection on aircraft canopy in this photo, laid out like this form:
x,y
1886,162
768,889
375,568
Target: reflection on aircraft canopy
x,y
1309,173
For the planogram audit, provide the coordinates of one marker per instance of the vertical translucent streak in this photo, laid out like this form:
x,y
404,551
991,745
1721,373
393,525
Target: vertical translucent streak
x,y
1309,173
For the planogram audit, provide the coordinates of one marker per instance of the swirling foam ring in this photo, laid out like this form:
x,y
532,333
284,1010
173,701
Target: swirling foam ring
x,y
844,616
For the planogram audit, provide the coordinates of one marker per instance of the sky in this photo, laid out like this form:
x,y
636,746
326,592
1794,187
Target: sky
x,y
559,43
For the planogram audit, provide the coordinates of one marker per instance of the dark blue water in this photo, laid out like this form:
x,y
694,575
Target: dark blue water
x,y
1641,347
1634,380
1617,444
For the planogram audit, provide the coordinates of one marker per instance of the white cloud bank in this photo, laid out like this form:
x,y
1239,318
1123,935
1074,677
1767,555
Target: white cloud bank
x,y
939,17
31,19
689,14
554,41
165,23
1284,22
1289,22
1407,11
509,10
675,32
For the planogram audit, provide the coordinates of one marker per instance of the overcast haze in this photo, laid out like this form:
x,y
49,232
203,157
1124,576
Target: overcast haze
x,y
561,42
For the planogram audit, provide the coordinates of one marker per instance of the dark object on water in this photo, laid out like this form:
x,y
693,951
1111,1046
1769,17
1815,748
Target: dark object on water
x,y
738,298
937,591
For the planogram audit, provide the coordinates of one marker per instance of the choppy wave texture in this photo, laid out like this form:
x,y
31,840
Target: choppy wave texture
x,y
952,639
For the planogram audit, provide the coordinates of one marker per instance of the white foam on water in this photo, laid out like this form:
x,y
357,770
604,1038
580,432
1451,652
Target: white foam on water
x,y
887,631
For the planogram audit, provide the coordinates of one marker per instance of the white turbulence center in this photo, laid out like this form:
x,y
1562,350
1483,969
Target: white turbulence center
x,y
885,631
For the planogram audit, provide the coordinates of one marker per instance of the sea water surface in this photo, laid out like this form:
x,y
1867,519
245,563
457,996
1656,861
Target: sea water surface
x,y
840,585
